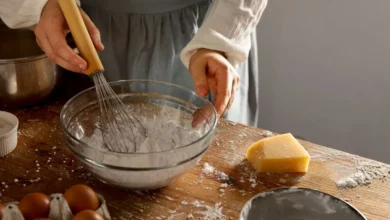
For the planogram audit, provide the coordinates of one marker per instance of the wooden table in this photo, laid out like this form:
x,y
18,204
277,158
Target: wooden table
x,y
40,138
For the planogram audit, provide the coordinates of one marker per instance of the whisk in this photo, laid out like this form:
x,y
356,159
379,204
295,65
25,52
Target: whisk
x,y
122,131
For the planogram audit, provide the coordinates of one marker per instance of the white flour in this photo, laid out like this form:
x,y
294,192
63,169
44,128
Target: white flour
x,y
267,133
5,126
200,211
167,128
223,176
356,170
366,172
210,212
207,168
163,133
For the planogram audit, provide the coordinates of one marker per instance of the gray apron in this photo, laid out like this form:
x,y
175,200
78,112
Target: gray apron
x,y
143,40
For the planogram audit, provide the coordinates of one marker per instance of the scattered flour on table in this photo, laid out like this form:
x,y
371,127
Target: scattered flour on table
x,y
282,180
223,176
200,211
5,126
267,133
362,171
210,212
207,169
366,172
169,198
253,182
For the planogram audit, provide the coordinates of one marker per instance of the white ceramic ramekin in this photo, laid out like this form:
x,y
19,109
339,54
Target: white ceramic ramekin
x,y
8,137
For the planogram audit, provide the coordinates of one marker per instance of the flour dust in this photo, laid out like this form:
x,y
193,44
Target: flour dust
x,y
352,171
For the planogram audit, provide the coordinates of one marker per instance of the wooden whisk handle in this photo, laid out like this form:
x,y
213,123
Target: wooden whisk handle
x,y
80,35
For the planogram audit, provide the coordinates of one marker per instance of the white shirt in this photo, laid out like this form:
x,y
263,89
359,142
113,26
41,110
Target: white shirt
x,y
226,28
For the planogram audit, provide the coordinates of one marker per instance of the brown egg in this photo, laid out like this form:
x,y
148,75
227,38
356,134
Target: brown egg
x,y
81,197
88,215
35,205
2,208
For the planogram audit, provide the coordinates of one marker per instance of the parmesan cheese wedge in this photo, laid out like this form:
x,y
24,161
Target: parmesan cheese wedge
x,y
280,153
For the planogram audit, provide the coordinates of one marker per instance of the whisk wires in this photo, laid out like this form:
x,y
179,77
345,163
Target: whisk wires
x,y
121,129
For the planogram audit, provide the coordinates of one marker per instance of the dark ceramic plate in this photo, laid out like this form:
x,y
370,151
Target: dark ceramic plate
x,y
298,204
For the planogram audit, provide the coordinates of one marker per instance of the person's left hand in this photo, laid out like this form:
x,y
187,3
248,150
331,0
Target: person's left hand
x,y
211,71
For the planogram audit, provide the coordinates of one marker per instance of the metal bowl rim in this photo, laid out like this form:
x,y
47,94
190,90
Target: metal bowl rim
x,y
278,189
82,144
23,59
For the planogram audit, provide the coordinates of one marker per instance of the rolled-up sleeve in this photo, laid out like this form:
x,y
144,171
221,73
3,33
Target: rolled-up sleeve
x,y
227,28
22,13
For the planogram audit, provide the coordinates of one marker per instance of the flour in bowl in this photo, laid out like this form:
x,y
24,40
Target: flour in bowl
x,y
164,132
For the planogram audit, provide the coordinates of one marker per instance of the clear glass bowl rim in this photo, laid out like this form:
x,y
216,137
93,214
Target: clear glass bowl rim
x,y
82,144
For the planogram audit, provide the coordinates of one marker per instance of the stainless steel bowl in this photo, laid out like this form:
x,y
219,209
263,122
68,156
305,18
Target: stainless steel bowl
x,y
148,99
27,76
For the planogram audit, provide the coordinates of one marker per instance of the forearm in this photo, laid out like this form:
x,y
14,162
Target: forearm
x,y
227,28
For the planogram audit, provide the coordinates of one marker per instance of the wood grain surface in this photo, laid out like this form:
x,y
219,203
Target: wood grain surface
x,y
42,162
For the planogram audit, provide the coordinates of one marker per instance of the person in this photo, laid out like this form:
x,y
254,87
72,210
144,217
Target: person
x,y
205,45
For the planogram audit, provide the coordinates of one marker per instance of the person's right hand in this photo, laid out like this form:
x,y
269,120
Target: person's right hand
x,y
50,33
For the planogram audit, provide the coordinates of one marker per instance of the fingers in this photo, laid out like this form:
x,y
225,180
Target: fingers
x,y
39,43
62,51
202,115
224,89
211,70
53,56
199,76
93,31
212,84
50,34
236,85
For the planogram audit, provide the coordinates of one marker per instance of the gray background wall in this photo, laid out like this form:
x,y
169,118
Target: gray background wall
x,y
325,73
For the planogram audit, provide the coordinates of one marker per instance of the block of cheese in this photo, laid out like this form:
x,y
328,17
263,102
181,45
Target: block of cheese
x,y
280,153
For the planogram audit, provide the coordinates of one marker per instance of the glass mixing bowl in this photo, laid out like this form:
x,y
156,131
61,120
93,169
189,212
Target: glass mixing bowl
x,y
149,100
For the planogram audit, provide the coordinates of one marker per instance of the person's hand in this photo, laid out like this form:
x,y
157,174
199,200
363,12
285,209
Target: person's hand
x,y
50,33
211,71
